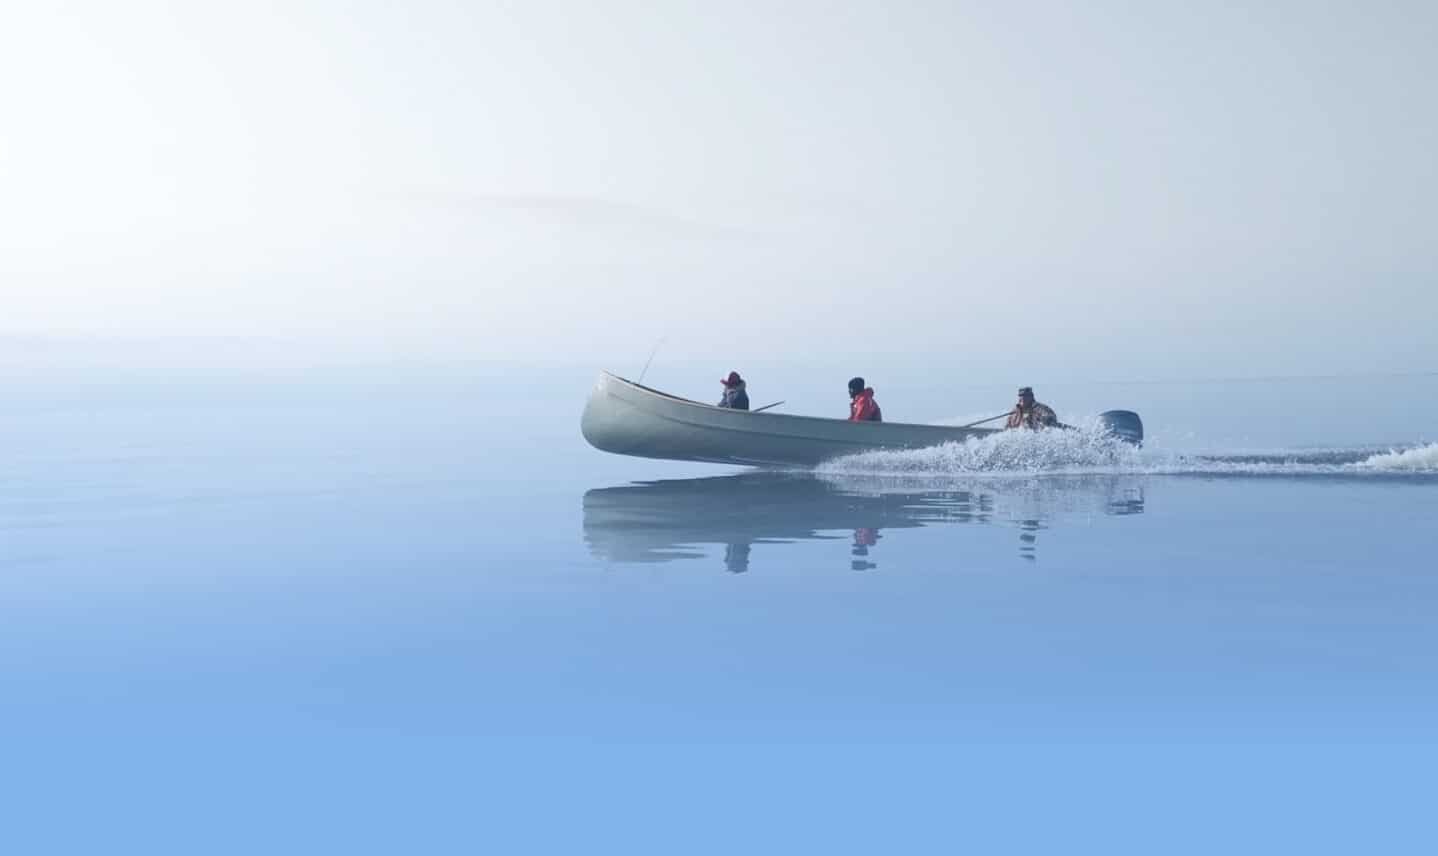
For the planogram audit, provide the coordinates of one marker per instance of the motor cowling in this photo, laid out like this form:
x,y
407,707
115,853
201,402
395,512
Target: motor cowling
x,y
1123,424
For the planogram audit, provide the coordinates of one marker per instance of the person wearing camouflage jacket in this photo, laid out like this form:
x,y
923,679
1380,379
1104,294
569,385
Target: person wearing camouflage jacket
x,y
1031,414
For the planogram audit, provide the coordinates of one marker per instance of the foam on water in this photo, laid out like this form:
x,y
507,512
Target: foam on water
x,y
1009,451
1422,459
1091,451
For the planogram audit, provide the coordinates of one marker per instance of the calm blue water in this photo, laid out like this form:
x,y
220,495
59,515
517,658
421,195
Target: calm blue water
x,y
410,611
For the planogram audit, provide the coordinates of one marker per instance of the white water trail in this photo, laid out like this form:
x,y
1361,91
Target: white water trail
x,y
1421,459
1026,452
1093,452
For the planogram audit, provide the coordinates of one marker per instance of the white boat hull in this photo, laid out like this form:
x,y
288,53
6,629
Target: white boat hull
x,y
628,419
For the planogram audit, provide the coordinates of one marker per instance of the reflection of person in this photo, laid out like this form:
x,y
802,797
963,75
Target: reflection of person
x,y
1031,414
1028,538
736,557
862,406
864,538
1132,503
735,397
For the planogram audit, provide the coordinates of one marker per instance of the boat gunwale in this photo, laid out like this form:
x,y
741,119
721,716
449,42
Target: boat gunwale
x,y
828,420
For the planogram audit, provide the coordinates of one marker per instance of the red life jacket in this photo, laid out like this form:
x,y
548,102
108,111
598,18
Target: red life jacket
x,y
863,408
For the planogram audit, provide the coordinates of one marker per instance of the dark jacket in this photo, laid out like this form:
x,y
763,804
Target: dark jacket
x,y
735,398
863,407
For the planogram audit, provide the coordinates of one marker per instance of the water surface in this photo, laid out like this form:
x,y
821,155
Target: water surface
x,y
401,610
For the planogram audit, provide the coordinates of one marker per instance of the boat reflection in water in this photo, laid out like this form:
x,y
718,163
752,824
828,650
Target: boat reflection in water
x,y
665,521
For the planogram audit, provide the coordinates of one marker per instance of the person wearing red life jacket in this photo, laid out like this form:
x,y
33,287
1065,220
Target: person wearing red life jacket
x,y
862,406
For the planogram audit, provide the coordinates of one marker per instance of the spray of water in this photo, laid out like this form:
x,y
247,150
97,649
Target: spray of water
x,y
1092,452
1422,459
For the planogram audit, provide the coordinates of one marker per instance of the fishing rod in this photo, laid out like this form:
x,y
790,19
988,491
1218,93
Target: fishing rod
x,y
766,407
652,352
990,419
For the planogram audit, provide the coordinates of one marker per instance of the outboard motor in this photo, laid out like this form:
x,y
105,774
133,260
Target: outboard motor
x,y
1123,424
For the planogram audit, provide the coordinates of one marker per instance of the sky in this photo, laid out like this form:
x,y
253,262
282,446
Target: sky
x,y
1108,189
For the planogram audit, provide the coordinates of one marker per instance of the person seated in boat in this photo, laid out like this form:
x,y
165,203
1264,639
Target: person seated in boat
x,y
735,398
862,406
1031,414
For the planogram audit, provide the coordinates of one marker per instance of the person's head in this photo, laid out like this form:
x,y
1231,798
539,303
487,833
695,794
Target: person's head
x,y
1026,396
856,386
732,380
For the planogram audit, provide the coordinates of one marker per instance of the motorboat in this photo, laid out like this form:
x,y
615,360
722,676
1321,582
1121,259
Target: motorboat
x,y
628,418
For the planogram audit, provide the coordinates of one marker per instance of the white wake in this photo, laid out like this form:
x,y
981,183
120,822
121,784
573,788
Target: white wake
x,y
1093,452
